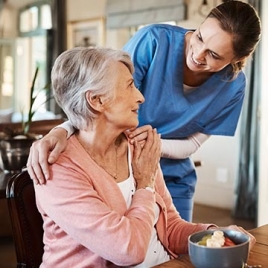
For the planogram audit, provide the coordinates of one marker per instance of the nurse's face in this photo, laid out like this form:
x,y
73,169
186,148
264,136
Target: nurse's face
x,y
210,48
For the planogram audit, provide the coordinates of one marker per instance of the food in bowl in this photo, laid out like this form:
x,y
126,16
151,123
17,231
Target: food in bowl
x,y
233,256
216,240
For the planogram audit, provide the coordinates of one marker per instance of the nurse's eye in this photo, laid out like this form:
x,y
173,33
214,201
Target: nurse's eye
x,y
199,37
214,56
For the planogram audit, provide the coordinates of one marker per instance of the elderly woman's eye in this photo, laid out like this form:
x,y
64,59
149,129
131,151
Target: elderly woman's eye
x,y
131,84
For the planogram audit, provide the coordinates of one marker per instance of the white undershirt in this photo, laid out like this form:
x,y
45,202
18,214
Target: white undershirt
x,y
156,253
188,89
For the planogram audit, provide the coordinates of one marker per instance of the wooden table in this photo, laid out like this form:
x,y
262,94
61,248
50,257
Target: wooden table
x,y
258,255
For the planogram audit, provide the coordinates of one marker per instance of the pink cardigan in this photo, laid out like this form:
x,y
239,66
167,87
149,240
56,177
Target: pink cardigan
x,y
87,224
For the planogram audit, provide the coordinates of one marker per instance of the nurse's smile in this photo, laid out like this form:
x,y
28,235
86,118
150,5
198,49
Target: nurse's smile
x,y
196,62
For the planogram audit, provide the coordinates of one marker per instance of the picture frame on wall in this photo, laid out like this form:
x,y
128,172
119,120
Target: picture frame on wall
x,y
86,33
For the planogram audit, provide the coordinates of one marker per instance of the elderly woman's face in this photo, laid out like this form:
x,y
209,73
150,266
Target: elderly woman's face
x,y
123,110
210,48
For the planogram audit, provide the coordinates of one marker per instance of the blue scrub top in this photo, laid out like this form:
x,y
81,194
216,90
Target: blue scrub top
x,y
213,108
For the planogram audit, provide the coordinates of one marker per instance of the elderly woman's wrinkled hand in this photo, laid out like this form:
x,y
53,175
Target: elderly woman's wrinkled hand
x,y
146,159
252,240
138,134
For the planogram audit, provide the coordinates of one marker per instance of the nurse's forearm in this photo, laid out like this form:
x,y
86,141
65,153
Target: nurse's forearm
x,y
68,127
182,148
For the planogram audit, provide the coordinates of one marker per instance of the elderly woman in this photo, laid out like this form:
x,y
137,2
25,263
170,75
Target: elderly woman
x,y
106,204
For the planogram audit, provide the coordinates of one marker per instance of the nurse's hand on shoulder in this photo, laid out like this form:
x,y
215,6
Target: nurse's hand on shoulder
x,y
44,152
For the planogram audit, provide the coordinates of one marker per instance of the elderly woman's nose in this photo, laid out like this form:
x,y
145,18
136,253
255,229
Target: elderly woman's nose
x,y
140,97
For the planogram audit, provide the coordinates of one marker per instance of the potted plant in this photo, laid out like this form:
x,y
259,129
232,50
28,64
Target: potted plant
x,y
15,142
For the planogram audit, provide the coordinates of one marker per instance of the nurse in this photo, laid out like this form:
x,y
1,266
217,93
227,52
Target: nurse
x,y
193,85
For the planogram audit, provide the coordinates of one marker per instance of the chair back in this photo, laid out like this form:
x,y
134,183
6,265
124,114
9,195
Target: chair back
x,y
26,222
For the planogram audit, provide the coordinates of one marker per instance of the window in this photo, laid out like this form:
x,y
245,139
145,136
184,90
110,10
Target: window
x,y
29,20
35,18
6,74
32,51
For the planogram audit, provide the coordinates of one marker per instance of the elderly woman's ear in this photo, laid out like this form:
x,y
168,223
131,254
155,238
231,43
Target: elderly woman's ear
x,y
95,101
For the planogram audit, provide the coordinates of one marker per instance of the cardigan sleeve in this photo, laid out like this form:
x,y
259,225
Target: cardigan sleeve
x,y
172,230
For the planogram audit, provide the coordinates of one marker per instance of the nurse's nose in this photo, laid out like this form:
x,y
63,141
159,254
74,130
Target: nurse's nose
x,y
199,53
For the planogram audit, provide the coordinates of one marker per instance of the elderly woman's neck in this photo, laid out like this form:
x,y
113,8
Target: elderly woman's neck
x,y
101,144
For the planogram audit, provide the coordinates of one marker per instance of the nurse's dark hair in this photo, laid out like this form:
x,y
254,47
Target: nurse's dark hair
x,y
242,21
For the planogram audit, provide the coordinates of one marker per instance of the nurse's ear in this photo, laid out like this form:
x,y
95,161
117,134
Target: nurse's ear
x,y
95,101
238,64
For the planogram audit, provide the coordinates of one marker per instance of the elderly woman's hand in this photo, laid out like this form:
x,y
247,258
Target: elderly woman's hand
x,y
138,134
252,240
146,159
